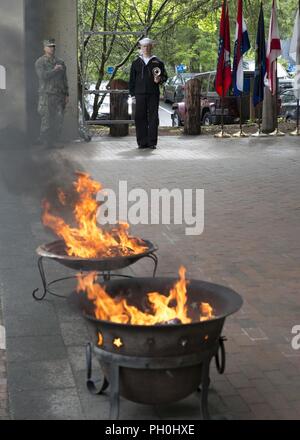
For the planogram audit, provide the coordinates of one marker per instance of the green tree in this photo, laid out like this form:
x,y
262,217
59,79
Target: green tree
x,y
186,32
155,16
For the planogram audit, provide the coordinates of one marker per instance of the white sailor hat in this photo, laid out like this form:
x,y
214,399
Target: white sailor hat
x,y
146,41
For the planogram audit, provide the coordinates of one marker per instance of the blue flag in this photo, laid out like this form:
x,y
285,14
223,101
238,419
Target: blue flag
x,y
241,46
260,60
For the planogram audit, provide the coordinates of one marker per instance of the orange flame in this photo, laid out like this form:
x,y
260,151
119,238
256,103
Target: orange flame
x,y
164,309
61,197
206,311
88,239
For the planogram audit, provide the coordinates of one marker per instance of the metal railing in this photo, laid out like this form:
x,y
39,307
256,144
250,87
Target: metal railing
x,y
85,92
109,121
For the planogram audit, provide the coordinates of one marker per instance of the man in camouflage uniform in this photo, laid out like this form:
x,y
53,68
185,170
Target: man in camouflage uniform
x,y
53,93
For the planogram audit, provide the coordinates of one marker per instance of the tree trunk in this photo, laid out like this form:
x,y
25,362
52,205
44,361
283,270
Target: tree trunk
x,y
119,108
269,112
192,122
244,106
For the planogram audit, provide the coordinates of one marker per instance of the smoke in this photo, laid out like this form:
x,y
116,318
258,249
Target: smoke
x,y
26,170
11,105
36,174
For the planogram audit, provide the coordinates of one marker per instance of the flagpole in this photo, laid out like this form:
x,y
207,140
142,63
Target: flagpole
x,y
259,132
297,131
259,106
241,133
222,133
222,113
298,117
260,115
241,47
241,124
276,132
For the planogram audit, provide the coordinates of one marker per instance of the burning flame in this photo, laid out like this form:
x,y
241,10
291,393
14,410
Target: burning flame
x,y
88,239
206,311
100,339
61,197
164,309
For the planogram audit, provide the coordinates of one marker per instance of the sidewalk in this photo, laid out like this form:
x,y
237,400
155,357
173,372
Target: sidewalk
x,y
4,412
251,242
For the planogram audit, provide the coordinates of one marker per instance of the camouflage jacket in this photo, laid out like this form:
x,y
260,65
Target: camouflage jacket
x,y
51,81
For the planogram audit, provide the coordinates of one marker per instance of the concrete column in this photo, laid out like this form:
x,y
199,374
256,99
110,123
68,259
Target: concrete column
x,y
23,26
60,22
12,95
33,37
56,19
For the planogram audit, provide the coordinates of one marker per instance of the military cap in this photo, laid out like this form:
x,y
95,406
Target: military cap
x,y
49,42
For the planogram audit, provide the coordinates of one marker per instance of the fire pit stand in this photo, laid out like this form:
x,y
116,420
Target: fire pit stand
x,y
162,363
113,363
105,274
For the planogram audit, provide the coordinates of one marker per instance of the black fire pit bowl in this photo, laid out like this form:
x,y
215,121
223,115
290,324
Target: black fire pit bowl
x,y
165,361
57,251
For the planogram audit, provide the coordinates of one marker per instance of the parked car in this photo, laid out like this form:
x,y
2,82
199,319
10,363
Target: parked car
x,y
285,81
173,90
285,84
104,110
210,104
211,109
288,105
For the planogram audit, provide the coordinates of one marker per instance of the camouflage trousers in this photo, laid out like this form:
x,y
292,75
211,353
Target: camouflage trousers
x,y
51,109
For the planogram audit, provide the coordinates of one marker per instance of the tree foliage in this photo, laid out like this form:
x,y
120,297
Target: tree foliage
x,y
186,32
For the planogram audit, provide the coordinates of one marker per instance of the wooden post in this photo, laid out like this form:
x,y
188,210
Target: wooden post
x,y
119,108
192,122
269,113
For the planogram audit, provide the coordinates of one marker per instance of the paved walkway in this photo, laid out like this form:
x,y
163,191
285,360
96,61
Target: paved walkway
x,y
4,413
251,242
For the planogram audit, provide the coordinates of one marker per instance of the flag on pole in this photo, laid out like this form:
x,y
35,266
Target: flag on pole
x,y
295,54
223,76
260,60
273,50
241,46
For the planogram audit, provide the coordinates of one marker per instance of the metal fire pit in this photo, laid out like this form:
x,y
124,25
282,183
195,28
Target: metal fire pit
x,y
163,363
56,251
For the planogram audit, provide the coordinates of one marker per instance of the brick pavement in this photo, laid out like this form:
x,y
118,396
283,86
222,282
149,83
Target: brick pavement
x,y
4,412
251,242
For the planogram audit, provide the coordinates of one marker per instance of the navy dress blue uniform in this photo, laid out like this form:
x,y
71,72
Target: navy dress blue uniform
x,y
146,92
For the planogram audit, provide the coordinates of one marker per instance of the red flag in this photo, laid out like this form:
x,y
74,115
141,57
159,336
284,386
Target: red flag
x,y
273,50
223,76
